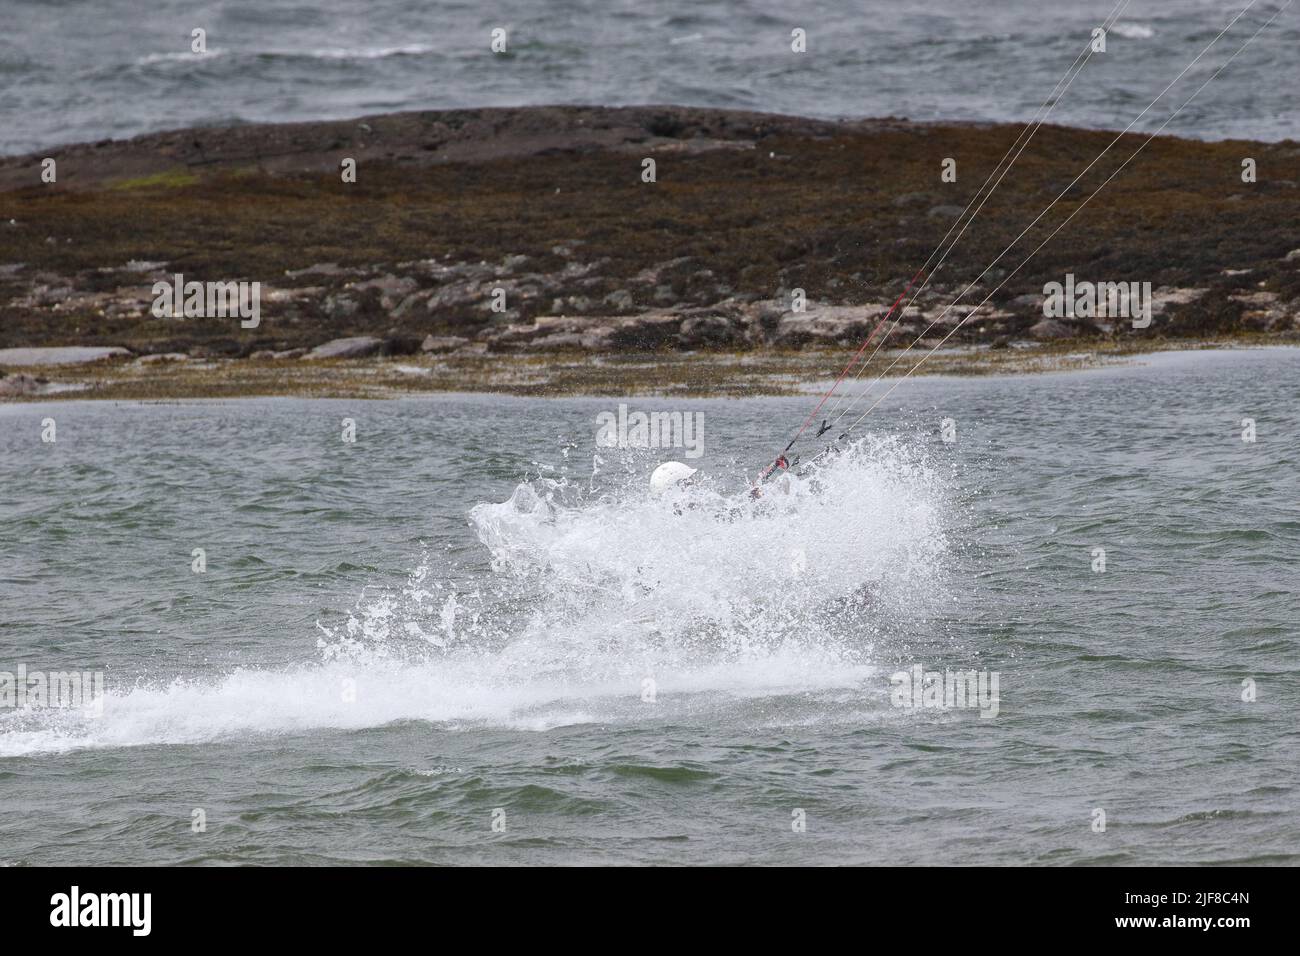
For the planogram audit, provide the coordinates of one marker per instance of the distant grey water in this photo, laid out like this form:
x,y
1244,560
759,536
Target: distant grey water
x,y
81,70
452,620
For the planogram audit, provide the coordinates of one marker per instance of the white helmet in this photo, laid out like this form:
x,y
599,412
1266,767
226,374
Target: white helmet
x,y
669,475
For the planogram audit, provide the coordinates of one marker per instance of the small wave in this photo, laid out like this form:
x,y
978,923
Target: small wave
x,y
326,53
372,53
180,56
1133,31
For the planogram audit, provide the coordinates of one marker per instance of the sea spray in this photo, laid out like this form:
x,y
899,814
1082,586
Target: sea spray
x,y
583,591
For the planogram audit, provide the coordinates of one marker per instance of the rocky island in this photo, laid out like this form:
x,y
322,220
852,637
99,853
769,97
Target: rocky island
x,y
540,251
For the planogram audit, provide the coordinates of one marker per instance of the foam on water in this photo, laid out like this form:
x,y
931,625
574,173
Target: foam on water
x,y
596,594
187,58
1133,31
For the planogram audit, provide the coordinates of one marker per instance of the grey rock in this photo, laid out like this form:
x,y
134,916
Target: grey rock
x,y
566,248
405,305
620,300
579,270
1050,329
340,306
1256,300
391,288
67,355
826,325
945,211
651,330
320,268
1263,311
557,341
457,294
143,265
549,331
442,343
462,271
1165,296
710,331
512,335
655,273
355,347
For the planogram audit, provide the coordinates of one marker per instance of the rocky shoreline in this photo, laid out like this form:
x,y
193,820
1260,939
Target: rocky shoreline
x,y
530,235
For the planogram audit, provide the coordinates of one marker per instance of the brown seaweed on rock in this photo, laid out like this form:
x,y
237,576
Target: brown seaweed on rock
x,y
548,205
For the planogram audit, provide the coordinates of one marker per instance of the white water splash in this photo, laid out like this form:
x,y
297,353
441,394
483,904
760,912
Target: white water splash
x,y
596,599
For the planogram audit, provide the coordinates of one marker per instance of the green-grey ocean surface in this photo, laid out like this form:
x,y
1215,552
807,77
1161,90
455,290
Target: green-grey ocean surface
x,y
80,72
473,616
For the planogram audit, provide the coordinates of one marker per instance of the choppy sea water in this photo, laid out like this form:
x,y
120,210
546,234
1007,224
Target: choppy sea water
x,y
471,615
75,70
